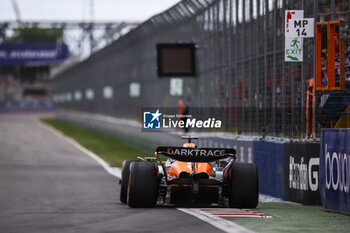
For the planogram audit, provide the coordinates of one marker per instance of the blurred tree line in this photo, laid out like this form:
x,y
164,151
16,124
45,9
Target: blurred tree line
x,y
36,35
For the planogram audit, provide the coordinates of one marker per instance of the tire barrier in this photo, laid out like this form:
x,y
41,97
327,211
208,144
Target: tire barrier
x,y
302,172
335,170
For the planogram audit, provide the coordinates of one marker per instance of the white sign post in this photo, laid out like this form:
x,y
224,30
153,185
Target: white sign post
x,y
108,92
89,94
176,86
77,95
293,46
134,90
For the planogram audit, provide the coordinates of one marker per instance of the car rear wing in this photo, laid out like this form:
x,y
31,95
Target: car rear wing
x,y
186,154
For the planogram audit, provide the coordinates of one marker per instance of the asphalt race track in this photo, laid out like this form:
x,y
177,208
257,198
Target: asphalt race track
x,y
47,185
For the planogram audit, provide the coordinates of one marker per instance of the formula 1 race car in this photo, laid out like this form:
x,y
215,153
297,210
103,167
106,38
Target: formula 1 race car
x,y
190,176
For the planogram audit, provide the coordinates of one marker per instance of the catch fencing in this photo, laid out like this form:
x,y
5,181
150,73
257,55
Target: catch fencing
x,y
240,67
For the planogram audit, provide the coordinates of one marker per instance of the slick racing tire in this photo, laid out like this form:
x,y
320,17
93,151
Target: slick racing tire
x,y
124,181
244,186
143,185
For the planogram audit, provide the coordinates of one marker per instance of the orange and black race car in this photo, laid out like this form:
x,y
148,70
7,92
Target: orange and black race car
x,y
190,176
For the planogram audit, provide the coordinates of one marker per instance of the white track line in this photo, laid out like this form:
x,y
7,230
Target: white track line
x,y
220,223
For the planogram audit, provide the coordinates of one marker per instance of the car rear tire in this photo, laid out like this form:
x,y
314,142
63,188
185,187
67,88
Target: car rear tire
x,y
143,185
244,186
124,181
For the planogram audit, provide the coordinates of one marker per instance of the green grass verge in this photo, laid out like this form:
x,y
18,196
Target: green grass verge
x,y
296,218
111,150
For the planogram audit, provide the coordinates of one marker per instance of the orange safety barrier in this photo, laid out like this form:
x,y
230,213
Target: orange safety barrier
x,y
180,108
310,96
330,66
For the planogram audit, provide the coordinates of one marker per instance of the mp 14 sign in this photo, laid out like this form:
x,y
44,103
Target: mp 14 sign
x,y
296,28
303,28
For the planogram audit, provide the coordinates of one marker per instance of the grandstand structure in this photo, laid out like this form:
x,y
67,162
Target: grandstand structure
x,y
24,84
240,68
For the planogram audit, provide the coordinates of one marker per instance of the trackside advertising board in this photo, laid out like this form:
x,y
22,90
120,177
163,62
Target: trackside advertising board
x,y
335,170
32,53
302,169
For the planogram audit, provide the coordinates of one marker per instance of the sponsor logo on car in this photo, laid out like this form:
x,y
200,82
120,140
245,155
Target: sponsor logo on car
x,y
195,152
